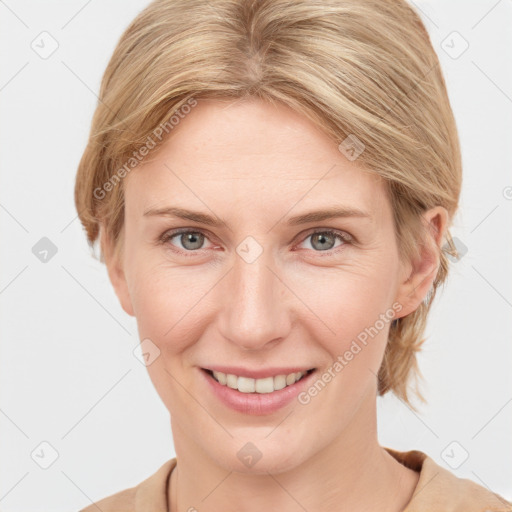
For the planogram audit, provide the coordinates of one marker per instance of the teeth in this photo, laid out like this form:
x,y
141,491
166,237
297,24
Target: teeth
x,y
266,385
263,385
246,385
290,379
232,381
279,382
221,377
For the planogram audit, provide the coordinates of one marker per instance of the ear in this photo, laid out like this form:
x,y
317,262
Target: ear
x,y
116,274
418,276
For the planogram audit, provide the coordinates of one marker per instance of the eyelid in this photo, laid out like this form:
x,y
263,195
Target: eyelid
x,y
346,237
171,233
343,235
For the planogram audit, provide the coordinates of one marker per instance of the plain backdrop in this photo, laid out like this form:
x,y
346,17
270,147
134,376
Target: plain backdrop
x,y
75,398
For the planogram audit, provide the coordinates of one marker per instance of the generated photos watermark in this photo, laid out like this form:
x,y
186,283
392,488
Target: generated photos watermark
x,y
156,136
357,345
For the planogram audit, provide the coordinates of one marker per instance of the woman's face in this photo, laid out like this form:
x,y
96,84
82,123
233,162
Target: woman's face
x,y
256,292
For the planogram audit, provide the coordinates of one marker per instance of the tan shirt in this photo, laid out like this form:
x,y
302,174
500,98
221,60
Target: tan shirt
x,y
438,490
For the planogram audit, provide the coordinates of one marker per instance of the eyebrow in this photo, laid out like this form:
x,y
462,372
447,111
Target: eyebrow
x,y
304,218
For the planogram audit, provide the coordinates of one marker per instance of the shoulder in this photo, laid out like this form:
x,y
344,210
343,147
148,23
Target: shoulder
x,y
439,489
123,500
150,494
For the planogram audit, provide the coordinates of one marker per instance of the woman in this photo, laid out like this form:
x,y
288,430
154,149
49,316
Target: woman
x,y
272,185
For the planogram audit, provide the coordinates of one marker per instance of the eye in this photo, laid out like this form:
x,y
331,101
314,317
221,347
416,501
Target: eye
x,y
325,240
190,240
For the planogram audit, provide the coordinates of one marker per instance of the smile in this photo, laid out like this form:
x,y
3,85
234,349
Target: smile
x,y
263,386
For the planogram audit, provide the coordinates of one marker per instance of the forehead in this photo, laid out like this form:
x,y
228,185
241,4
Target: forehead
x,y
246,152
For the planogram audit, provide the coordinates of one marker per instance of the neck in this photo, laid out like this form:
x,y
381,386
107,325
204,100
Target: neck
x,y
352,472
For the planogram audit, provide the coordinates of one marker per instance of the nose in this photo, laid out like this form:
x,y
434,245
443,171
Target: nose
x,y
253,312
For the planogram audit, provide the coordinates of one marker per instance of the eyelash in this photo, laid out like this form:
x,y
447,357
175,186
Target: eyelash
x,y
168,235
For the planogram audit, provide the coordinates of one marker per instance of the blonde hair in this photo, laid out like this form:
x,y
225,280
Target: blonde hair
x,y
355,68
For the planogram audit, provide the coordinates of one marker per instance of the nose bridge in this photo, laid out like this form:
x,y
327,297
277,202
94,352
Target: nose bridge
x,y
253,313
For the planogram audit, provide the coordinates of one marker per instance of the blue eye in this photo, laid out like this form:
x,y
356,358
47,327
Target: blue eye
x,y
192,241
325,240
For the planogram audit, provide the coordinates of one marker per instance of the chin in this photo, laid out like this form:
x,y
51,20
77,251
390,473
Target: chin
x,y
260,457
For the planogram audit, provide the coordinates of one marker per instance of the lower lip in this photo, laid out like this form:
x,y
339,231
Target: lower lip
x,y
256,403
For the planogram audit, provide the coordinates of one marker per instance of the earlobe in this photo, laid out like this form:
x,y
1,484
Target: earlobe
x,y
116,274
420,275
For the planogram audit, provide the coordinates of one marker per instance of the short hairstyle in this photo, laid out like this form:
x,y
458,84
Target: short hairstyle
x,y
361,70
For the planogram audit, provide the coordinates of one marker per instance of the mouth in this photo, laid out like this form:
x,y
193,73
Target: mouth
x,y
264,385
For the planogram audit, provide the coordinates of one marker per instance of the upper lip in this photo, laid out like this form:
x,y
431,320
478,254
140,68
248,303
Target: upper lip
x,y
262,373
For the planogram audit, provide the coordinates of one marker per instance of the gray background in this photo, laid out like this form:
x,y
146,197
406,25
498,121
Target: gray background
x,y
68,374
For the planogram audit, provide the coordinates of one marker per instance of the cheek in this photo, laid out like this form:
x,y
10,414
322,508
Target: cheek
x,y
335,304
348,298
354,305
168,302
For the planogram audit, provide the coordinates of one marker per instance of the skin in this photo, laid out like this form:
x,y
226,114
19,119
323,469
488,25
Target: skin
x,y
254,165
